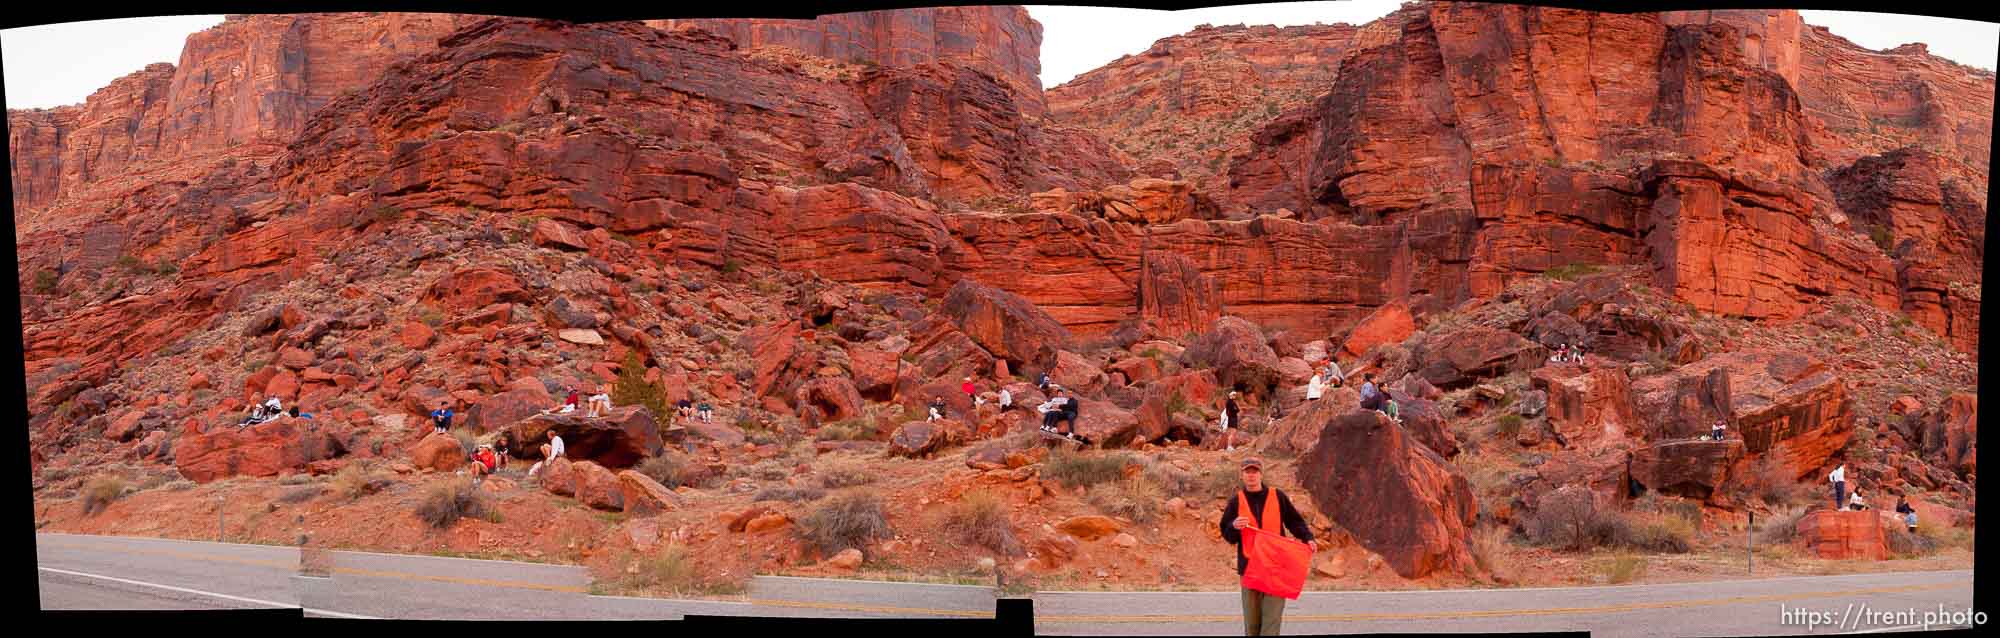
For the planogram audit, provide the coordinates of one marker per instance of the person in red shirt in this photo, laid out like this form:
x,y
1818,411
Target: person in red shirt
x,y
483,462
971,393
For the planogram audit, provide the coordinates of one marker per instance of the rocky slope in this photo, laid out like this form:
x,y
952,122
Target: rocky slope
x,y
821,246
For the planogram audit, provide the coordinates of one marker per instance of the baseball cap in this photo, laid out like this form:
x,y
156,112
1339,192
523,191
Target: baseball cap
x,y
1252,462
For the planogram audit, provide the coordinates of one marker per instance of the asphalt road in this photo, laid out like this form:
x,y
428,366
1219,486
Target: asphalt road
x,y
100,572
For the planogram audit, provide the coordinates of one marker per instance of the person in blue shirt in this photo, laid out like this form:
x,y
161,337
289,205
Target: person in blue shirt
x,y
1371,397
441,418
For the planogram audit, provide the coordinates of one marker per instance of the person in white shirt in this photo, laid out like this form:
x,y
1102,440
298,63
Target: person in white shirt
x,y
1839,480
1315,387
1006,400
600,403
1854,501
551,451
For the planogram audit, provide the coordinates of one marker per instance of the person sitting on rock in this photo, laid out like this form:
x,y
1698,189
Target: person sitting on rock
x,y
1371,397
1389,407
294,411
685,408
1315,386
1715,432
484,461
1052,410
1006,400
1043,385
256,416
600,404
500,447
551,451
441,418
567,406
937,408
1064,414
1333,375
703,410
1908,513
1855,502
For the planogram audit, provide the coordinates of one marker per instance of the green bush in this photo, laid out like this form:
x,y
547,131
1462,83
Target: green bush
x,y
980,519
1074,470
1883,239
1508,426
452,500
45,281
851,519
1570,272
631,387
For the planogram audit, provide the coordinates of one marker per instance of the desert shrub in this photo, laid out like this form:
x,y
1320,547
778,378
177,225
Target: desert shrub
x,y
631,387
1625,568
1073,470
1903,544
447,502
675,571
1488,546
301,493
1137,500
179,485
1666,534
1772,482
1508,426
768,470
466,441
1221,482
849,430
1173,480
848,520
45,281
979,518
673,470
1567,520
789,494
1569,272
1883,239
295,479
355,481
845,475
731,266
100,491
1782,528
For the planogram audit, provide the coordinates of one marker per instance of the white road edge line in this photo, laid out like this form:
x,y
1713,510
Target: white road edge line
x,y
1883,629
208,593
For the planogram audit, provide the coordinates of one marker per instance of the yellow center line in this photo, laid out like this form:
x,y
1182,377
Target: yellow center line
x,y
1489,613
459,580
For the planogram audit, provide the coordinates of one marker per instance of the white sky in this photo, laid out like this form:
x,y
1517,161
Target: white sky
x,y
54,65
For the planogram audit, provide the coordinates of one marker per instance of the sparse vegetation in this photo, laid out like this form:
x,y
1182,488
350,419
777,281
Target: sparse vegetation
x,y
845,475
100,491
1569,520
980,518
301,493
355,481
45,281
295,479
850,519
673,470
789,494
1073,470
179,485
1783,528
1507,426
1883,239
1571,272
445,503
848,430
674,571
631,387
1137,500
1624,568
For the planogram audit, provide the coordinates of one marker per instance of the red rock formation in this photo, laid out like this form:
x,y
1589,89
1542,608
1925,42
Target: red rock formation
x,y
1397,497
617,441
1692,469
1001,41
1190,99
1839,535
1006,325
1390,323
1587,406
1235,349
266,449
439,452
1783,404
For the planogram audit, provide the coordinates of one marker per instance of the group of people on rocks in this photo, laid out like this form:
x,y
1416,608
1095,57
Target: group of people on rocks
x,y
599,404
1566,353
271,410
1846,501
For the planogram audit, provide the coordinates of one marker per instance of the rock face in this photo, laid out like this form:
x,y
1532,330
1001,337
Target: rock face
x,y
918,439
617,441
1145,200
1397,497
1002,41
1951,437
1692,469
1390,323
1006,325
1588,406
266,449
1187,88
1783,404
504,409
1235,349
1464,356
439,452
1175,298
1844,535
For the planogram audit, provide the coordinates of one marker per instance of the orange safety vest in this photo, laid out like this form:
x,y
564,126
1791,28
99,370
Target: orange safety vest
x,y
1270,520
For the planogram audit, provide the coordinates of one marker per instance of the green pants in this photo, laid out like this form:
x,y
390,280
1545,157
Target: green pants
x,y
1262,613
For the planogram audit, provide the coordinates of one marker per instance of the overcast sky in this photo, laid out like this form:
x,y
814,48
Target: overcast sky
x,y
60,64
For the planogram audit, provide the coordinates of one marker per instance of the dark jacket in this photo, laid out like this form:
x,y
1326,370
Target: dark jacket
x,y
1291,521
1904,508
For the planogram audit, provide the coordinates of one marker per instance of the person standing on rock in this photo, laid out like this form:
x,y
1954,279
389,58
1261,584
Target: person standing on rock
x,y
1230,416
1263,614
1839,480
441,418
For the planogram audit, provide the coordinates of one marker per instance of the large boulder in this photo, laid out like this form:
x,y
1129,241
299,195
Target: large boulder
x,y
1235,349
1398,498
1006,325
265,449
439,452
620,440
1786,405
874,370
1692,469
498,411
644,496
1077,374
1105,423
1299,430
1840,535
1426,423
1586,406
1468,354
1950,437
919,439
835,397
596,486
1389,323
779,359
